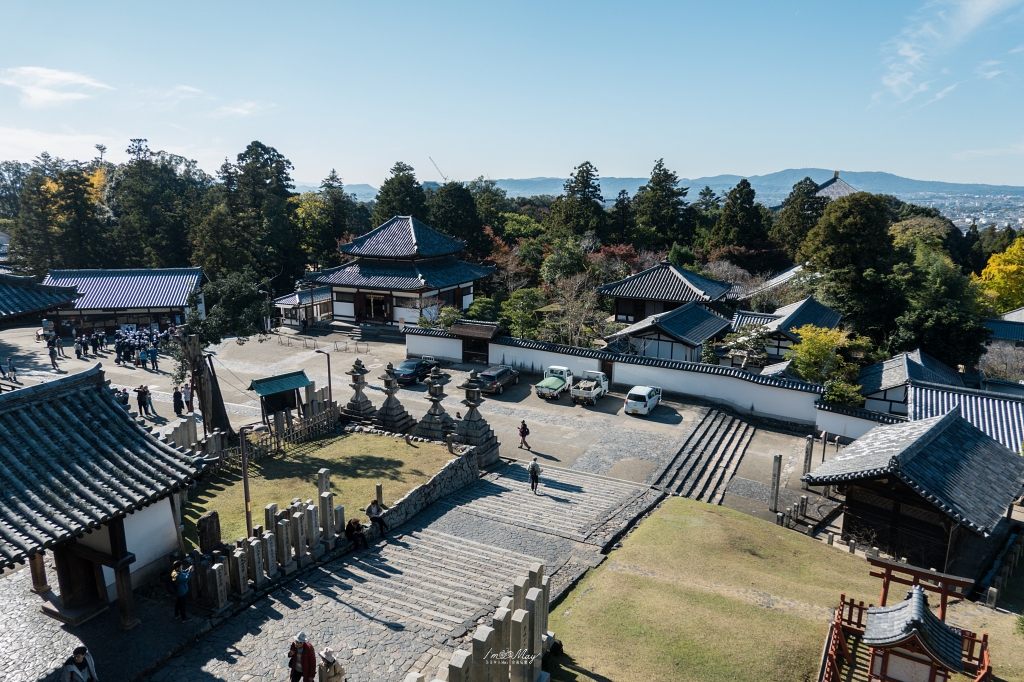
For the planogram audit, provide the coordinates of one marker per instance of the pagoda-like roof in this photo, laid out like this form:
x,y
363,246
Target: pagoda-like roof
x,y
911,619
71,460
402,275
835,188
667,282
403,237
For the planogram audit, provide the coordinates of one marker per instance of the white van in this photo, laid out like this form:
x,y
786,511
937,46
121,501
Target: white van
x,y
642,399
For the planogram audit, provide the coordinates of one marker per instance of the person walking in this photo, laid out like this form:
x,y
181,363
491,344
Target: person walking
x,y
53,357
186,395
180,577
534,469
302,659
374,511
179,404
60,346
330,669
153,353
524,431
79,667
149,402
12,374
354,533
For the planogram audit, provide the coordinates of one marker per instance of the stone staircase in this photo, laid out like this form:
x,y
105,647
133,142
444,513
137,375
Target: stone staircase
x,y
571,504
427,578
708,458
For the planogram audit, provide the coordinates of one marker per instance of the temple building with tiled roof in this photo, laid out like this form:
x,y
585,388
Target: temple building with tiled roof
x,y
782,325
400,270
22,298
679,334
835,188
660,289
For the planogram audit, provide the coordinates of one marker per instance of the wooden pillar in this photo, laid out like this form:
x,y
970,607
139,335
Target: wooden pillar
x,y
39,584
122,575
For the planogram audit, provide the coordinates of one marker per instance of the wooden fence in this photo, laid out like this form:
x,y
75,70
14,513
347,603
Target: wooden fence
x,y
273,442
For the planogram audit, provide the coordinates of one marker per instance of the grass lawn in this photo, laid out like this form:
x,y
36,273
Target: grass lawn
x,y
357,462
699,592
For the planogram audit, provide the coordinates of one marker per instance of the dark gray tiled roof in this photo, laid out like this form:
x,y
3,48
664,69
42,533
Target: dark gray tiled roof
x,y
666,282
946,460
24,296
427,331
900,369
778,369
301,297
1007,330
403,237
72,459
835,188
692,324
790,317
1015,315
132,288
871,415
888,626
999,415
402,275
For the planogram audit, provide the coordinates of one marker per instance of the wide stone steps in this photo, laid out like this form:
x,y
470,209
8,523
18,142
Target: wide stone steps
x,y
427,577
569,504
708,458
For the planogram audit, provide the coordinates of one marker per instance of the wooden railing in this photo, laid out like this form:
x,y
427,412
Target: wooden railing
x,y
263,445
976,656
849,620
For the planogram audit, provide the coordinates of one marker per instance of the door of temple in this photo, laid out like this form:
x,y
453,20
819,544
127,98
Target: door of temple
x,y
376,309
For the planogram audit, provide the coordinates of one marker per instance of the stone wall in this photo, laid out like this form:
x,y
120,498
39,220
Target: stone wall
x,y
454,475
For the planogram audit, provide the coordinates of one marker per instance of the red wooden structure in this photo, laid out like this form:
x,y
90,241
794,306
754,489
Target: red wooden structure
x,y
930,581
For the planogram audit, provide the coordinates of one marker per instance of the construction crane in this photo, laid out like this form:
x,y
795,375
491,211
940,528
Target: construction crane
x,y
438,170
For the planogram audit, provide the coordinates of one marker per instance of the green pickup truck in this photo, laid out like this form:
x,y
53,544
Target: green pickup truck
x,y
556,381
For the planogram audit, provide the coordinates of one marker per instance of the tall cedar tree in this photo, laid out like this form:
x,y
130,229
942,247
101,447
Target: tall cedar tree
x,y
155,202
401,194
33,248
82,238
801,211
661,206
740,222
492,203
580,209
851,244
621,219
12,179
451,209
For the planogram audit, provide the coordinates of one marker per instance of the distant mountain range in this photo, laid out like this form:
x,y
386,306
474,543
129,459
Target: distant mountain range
x,y
771,188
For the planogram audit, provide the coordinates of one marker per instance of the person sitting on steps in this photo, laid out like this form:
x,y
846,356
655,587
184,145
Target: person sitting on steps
x,y
354,533
374,511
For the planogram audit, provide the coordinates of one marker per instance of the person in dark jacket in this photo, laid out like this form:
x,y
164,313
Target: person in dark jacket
x,y
302,659
376,514
179,403
524,431
79,667
180,577
354,533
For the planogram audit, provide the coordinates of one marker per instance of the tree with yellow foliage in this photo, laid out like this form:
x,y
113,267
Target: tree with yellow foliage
x,y
820,358
1003,277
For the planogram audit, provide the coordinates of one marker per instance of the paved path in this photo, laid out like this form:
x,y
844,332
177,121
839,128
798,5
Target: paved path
x,y
404,605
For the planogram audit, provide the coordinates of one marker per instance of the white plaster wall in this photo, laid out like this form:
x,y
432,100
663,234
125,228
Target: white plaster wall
x,y
467,301
150,535
410,315
537,361
439,347
843,424
345,309
773,402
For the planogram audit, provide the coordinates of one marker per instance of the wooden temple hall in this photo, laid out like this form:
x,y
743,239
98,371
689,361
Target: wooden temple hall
x,y
936,492
83,486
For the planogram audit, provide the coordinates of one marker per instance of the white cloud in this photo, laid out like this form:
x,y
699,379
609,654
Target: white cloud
x,y
937,27
43,87
942,93
239,109
986,70
25,144
1019,48
1011,150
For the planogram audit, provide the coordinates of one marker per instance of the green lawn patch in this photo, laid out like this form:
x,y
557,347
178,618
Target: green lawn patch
x,y
704,593
357,463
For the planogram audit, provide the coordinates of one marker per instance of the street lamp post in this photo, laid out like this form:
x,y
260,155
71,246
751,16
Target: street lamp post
x,y
330,389
245,479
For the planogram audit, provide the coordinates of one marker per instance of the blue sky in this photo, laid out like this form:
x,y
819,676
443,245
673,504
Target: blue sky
x,y
931,91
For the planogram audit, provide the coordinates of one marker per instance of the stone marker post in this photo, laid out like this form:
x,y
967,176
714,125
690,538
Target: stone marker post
x,y
534,574
501,623
460,667
270,555
316,548
256,569
545,586
534,606
208,529
328,531
270,516
302,557
519,587
521,670
284,547
808,453
773,505
339,519
323,481
240,574
483,643
380,495
220,587
415,677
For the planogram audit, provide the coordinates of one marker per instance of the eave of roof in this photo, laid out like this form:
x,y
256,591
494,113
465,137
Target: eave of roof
x,y
280,383
403,237
666,282
122,289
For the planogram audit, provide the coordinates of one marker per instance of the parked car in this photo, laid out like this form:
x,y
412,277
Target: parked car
x,y
642,399
591,386
413,370
556,380
495,379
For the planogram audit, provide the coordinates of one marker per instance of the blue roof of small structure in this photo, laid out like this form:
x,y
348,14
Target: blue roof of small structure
x,y
690,323
403,237
889,626
1007,330
23,296
948,461
131,288
790,317
402,275
280,383
666,282
999,415
301,297
901,369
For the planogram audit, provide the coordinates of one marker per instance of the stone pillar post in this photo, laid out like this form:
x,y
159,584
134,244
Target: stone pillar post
x,y
270,516
220,587
460,667
773,502
502,625
339,519
519,587
535,573
208,529
302,557
269,543
545,586
380,495
808,451
255,557
535,606
284,547
520,670
316,549
38,568
328,531
483,643
240,574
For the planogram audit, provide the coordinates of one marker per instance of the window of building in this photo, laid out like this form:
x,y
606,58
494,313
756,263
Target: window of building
x,y
407,302
342,297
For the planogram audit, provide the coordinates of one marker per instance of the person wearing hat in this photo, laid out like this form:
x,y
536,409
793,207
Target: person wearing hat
x,y
534,470
79,667
302,659
330,669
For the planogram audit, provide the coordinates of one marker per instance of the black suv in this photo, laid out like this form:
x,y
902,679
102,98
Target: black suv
x,y
413,370
495,379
